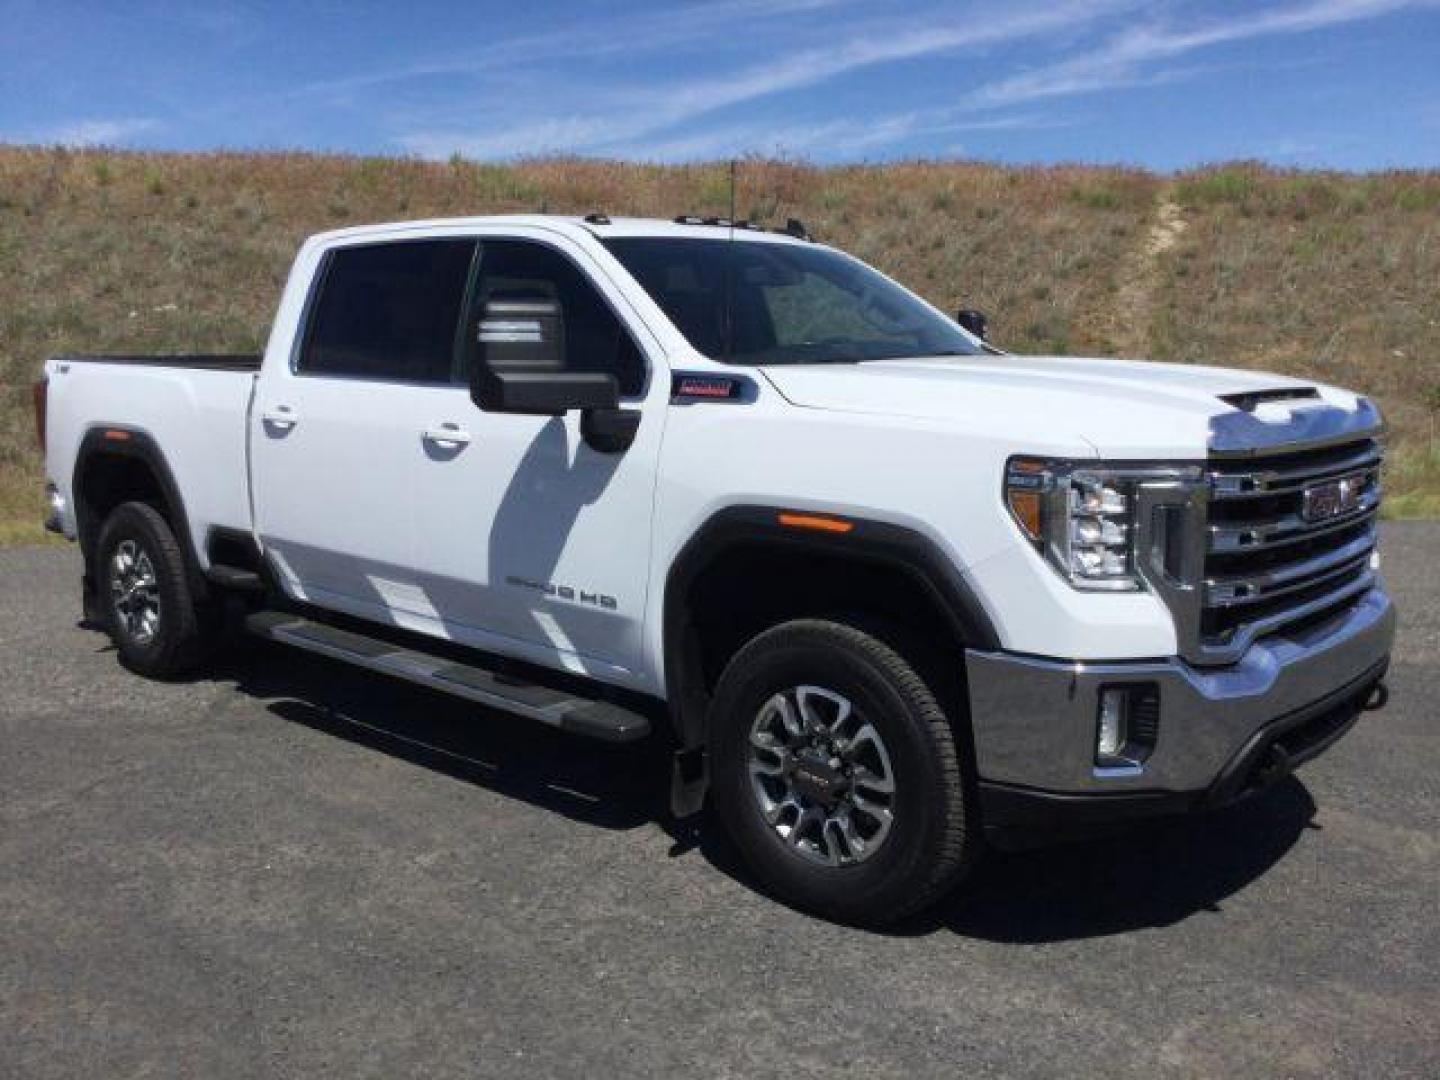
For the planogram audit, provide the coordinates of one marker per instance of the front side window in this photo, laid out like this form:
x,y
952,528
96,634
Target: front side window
x,y
748,302
389,311
528,291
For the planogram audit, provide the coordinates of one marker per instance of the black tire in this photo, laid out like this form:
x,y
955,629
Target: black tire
x,y
932,839
184,631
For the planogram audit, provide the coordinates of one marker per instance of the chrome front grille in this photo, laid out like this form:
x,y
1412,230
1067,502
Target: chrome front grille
x,y
1288,537
1278,529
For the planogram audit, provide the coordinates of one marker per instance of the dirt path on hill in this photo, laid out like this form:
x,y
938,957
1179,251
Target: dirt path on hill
x,y
1128,324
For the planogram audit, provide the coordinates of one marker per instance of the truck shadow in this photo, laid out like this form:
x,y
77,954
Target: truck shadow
x,y
594,783
1152,874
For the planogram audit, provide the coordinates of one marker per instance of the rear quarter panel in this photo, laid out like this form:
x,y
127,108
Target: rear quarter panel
x,y
196,418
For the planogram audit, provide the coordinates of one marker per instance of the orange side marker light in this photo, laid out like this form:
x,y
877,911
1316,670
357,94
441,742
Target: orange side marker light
x,y
815,523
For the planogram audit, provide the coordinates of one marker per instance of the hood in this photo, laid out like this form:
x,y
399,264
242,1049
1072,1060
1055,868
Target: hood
x,y
1115,408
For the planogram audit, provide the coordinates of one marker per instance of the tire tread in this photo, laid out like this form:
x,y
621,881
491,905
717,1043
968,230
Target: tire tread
x,y
952,852
186,632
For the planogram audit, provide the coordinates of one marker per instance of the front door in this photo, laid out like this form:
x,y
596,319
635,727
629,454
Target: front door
x,y
531,543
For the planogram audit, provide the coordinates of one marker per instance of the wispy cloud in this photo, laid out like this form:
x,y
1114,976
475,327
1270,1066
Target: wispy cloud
x,y
658,109
1124,60
615,35
651,123
110,132
830,138
829,79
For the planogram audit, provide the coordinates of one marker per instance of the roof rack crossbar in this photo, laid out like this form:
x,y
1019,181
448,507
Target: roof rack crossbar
x,y
721,222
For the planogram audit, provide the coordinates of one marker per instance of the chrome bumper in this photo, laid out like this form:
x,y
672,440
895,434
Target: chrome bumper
x,y
1034,719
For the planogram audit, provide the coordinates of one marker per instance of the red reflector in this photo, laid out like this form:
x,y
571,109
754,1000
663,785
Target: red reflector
x,y
117,435
696,387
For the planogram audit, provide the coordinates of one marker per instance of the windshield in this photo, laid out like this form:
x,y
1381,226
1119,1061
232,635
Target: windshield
x,y
761,303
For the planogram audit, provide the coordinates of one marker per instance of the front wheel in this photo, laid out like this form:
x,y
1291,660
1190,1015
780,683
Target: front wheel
x,y
838,774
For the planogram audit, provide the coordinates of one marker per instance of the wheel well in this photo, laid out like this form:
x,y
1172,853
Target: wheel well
x,y
118,465
107,480
749,588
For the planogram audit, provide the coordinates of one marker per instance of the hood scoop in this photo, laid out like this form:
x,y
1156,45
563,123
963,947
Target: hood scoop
x,y
1251,400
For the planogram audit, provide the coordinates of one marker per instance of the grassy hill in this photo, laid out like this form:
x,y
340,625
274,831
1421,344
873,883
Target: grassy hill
x,y
1328,275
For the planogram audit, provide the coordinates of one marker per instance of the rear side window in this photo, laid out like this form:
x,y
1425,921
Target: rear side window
x,y
389,311
543,286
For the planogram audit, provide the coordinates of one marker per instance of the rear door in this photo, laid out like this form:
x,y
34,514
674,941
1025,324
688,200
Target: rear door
x,y
338,434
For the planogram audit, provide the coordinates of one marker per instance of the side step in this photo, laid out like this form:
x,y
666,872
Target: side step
x,y
597,719
235,577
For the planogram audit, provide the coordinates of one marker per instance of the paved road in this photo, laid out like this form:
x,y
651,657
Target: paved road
x,y
295,869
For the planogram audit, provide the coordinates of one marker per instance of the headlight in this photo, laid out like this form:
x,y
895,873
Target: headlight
x,y
1081,515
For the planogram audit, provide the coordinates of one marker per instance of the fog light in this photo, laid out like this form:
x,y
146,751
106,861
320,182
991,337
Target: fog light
x,y
1127,725
1111,735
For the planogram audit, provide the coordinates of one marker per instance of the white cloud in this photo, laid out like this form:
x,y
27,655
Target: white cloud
x,y
639,115
1121,62
112,132
615,35
828,138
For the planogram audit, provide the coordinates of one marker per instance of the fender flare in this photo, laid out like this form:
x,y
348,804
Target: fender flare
x,y
101,441
876,543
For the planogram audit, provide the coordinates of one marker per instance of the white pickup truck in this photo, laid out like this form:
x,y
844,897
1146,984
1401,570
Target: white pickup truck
x,y
891,592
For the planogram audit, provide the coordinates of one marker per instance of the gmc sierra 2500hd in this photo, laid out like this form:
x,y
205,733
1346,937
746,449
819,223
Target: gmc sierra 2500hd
x,y
892,591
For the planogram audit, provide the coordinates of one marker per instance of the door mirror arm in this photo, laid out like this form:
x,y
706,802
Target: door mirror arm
x,y
975,322
609,430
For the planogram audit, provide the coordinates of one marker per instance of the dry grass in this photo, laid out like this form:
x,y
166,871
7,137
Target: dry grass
x,y
1328,275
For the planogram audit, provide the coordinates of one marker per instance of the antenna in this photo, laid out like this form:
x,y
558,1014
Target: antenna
x,y
730,275
732,198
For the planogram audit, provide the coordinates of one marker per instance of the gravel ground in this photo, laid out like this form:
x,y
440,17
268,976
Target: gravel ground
x,y
292,868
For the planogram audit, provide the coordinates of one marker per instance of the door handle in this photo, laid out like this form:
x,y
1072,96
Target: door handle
x,y
281,416
446,435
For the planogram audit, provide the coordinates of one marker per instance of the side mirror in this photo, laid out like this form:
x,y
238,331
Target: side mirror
x,y
974,321
518,364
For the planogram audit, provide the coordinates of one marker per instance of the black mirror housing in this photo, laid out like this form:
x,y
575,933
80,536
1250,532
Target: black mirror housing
x,y
542,393
518,361
975,322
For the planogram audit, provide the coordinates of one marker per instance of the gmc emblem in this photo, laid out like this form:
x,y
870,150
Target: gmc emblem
x,y
1332,498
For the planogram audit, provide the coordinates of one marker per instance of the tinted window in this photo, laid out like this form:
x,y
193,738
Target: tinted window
x,y
389,311
768,303
518,275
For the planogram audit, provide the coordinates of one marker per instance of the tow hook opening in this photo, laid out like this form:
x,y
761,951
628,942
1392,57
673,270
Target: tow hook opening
x,y
1378,697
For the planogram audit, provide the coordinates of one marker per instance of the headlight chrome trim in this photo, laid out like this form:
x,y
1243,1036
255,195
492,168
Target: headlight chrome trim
x,y
1097,526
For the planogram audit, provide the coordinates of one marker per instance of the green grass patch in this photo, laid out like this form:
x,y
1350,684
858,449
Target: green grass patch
x,y
1232,186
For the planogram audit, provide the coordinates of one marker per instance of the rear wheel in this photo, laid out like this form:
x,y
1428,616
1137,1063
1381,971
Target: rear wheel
x,y
144,592
837,773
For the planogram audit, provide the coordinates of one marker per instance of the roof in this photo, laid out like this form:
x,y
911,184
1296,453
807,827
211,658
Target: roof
x,y
574,226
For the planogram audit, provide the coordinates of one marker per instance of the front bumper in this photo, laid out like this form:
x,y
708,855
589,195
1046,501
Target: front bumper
x,y
1222,731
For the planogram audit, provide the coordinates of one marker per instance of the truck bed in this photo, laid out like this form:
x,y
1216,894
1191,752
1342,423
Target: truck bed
x,y
191,407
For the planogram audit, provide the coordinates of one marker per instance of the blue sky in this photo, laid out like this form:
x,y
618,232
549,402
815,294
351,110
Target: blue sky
x,y
1345,83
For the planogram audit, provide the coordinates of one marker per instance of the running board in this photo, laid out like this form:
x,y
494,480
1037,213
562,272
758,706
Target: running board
x,y
597,719
235,578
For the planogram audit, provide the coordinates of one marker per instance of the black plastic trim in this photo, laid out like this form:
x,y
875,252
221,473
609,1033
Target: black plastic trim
x,y
200,361
872,542
142,446
1020,817
1247,771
